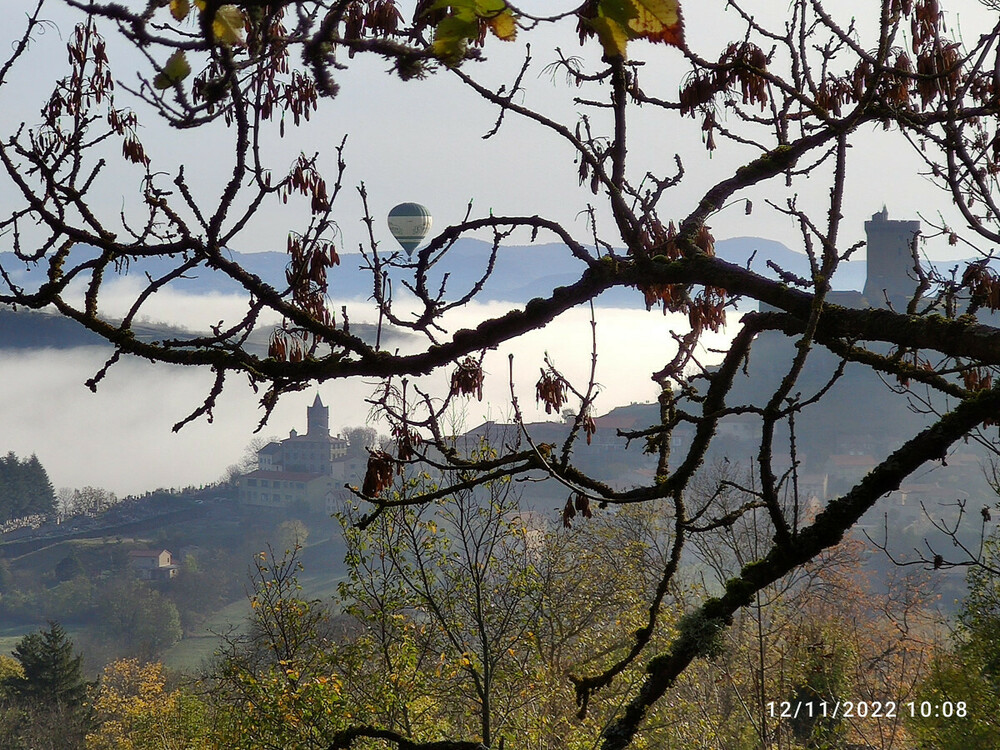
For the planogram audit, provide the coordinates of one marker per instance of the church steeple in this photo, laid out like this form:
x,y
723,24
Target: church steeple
x,y
318,419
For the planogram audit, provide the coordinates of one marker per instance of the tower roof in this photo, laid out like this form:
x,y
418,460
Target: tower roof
x,y
882,215
318,401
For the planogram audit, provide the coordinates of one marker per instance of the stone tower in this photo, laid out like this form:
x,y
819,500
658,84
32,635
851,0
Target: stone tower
x,y
318,419
890,259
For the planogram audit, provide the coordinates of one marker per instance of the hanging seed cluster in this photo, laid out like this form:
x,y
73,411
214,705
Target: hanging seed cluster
x,y
306,275
707,309
307,279
383,468
467,379
589,426
373,18
739,71
551,391
299,96
578,503
89,83
380,473
305,178
406,444
983,284
977,379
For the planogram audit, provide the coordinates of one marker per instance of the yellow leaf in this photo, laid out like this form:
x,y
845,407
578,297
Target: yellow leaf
x,y
504,26
175,71
228,25
180,9
616,22
659,21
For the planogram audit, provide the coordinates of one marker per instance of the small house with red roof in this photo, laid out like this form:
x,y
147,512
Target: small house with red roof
x,y
153,565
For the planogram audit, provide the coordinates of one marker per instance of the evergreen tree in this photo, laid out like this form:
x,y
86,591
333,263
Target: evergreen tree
x,y
46,704
41,493
11,487
53,676
25,488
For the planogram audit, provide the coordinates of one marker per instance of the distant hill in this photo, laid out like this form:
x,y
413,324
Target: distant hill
x,y
850,274
28,329
520,274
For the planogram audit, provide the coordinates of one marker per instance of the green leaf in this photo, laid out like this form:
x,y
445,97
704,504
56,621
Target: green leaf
x,y
619,21
504,26
619,11
612,35
175,71
490,8
451,38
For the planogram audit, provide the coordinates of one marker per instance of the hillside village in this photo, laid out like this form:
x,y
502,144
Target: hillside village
x,y
834,448
307,470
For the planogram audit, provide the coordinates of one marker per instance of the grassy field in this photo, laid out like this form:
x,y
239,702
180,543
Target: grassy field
x,y
319,580
10,635
91,553
194,651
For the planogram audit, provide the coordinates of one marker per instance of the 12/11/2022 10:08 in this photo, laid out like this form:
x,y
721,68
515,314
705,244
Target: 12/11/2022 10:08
x,y
867,709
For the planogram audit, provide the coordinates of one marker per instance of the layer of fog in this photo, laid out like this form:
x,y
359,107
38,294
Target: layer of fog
x,y
121,436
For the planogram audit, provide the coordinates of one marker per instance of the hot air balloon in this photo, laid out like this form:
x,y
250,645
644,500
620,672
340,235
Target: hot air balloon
x,y
409,224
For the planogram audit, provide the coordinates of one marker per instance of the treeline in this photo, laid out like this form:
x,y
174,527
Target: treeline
x,y
94,591
25,489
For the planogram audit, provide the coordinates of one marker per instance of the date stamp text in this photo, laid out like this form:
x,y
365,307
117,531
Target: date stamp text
x,y
845,709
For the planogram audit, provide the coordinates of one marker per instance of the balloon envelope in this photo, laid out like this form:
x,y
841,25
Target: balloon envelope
x,y
409,224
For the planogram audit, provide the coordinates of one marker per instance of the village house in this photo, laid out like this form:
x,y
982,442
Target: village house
x,y
152,565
